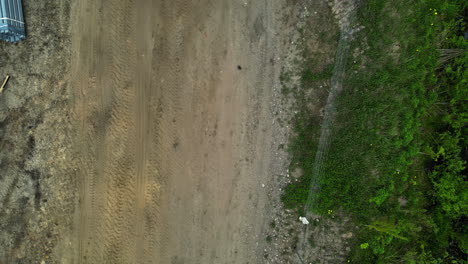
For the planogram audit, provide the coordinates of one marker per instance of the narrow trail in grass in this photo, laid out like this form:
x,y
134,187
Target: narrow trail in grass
x,y
328,120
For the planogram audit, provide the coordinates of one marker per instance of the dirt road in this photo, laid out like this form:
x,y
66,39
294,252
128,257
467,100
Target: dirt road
x,y
173,102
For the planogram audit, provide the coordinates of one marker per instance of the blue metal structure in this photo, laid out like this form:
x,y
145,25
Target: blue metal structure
x,y
11,21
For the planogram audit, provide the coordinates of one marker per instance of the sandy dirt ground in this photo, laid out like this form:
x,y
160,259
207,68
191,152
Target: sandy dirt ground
x,y
174,129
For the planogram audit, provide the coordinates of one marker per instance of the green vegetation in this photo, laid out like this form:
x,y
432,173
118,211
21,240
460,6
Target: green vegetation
x,y
304,145
273,224
306,121
397,160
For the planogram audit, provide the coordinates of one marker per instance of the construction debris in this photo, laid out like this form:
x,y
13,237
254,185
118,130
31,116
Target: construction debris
x,y
4,83
304,220
11,21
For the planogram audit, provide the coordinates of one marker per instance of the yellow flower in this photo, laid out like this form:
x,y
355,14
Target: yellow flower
x,y
432,24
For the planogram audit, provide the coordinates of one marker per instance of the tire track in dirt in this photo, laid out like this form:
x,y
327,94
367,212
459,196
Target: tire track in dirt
x,y
116,217
81,68
173,97
109,224
167,60
210,102
144,46
118,168
165,121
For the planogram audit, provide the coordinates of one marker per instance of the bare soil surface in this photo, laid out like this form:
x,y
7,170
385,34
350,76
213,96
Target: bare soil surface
x,y
140,131
174,133
37,178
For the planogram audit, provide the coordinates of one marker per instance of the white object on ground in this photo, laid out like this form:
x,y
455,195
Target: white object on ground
x,y
303,220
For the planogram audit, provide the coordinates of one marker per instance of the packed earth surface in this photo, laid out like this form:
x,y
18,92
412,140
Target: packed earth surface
x,y
140,131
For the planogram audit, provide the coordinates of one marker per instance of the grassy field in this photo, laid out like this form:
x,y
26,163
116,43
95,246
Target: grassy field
x,y
397,160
